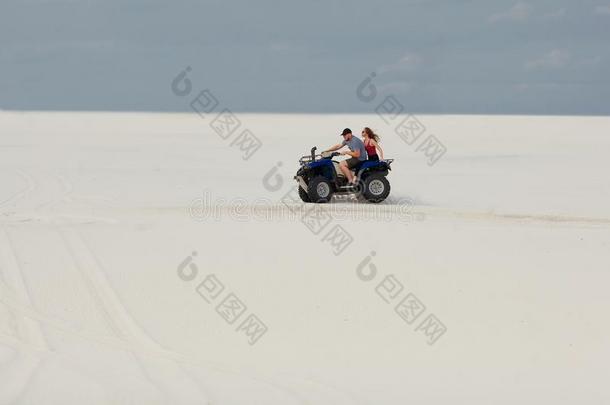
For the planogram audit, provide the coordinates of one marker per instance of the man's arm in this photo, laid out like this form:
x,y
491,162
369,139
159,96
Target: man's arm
x,y
334,148
354,154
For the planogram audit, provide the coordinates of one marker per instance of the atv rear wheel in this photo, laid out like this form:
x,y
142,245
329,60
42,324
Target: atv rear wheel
x,y
376,188
319,190
303,194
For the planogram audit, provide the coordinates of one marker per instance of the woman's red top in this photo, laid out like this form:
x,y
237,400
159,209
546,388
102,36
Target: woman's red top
x,y
371,150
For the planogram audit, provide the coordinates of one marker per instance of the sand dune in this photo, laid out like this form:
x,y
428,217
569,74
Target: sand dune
x,y
145,259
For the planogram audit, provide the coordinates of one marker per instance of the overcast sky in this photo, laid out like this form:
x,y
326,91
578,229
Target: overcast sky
x,y
477,56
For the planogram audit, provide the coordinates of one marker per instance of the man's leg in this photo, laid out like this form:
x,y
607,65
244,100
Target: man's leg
x,y
346,171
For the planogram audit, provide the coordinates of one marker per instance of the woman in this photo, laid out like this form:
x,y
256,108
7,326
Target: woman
x,y
371,143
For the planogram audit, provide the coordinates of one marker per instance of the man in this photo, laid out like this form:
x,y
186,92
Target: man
x,y
357,153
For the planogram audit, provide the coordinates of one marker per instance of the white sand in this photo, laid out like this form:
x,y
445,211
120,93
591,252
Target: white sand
x,y
506,243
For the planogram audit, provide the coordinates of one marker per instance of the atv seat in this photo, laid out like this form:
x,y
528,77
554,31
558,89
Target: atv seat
x,y
371,164
367,164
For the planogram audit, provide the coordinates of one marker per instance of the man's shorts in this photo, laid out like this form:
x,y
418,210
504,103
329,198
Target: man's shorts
x,y
352,162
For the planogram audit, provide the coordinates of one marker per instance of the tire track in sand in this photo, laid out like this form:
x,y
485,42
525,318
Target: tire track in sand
x,y
30,186
115,316
126,328
28,332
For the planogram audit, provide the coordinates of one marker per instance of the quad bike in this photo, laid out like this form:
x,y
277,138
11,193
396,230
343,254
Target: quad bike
x,y
319,177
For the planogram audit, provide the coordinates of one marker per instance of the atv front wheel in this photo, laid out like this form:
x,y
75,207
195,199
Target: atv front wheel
x,y
376,188
319,190
303,194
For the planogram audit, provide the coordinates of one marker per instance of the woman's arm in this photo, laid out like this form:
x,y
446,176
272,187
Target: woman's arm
x,y
378,148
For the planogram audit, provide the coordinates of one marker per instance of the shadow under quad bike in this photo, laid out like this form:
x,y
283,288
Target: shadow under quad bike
x,y
319,177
